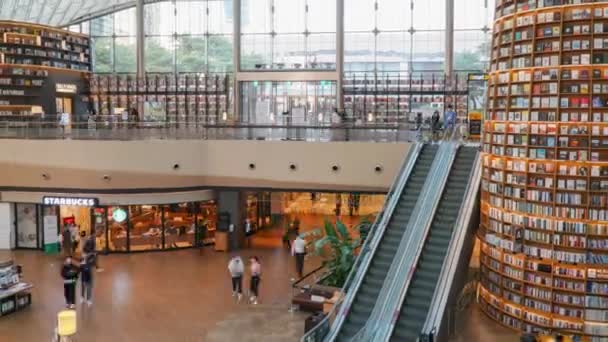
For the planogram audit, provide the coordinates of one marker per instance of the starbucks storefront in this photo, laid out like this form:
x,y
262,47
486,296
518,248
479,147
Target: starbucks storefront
x,y
118,227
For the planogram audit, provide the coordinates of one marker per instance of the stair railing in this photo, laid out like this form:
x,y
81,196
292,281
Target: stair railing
x,y
328,328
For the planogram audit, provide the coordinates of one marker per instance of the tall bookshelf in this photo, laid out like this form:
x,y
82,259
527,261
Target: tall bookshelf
x,y
33,58
544,202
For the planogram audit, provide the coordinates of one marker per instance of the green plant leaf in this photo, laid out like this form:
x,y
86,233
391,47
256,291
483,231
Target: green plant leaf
x,y
343,230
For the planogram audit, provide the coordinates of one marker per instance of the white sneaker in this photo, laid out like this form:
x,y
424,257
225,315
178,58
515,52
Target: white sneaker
x,y
89,302
255,302
238,297
233,293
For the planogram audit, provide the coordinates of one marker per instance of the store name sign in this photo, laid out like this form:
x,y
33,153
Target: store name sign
x,y
65,88
73,201
12,92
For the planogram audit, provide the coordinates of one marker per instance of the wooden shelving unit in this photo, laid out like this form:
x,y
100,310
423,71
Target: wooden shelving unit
x,y
544,210
29,44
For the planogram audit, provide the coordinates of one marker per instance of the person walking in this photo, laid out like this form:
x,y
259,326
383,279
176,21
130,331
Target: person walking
x,y
449,121
256,272
69,273
435,123
66,241
236,269
298,250
86,278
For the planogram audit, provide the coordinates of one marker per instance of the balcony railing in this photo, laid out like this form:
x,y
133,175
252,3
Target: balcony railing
x,y
189,131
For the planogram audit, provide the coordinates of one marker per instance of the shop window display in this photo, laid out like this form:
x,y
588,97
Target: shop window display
x,y
146,227
206,222
121,228
179,225
27,235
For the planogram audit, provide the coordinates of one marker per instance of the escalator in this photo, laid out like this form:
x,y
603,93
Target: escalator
x,y
367,294
419,294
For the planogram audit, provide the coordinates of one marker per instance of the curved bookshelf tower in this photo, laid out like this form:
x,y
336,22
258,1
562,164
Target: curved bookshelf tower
x,y
544,212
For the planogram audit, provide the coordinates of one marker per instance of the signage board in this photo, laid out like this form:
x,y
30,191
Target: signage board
x,y
65,88
71,201
119,215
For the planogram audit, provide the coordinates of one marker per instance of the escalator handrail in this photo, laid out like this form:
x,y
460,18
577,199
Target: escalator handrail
x,y
369,245
383,316
402,288
358,274
446,277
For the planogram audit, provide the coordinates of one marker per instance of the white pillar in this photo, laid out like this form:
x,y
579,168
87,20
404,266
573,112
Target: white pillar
x,y
449,38
7,226
140,49
236,56
340,54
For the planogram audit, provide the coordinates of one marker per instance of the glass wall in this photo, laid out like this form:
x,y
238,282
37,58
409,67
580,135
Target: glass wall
x,y
401,35
146,226
181,36
118,228
380,35
288,103
179,225
288,34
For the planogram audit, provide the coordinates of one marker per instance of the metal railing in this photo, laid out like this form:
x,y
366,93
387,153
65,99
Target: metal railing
x,y
386,312
189,131
445,282
355,277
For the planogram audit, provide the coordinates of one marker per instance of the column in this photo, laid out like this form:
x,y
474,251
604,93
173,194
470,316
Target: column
x,y
139,20
340,54
449,39
231,202
7,226
236,57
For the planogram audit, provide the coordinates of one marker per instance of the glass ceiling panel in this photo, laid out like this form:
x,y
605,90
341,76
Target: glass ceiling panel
x,y
58,12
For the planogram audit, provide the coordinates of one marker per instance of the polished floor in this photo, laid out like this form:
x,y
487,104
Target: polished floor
x,y
186,296
164,296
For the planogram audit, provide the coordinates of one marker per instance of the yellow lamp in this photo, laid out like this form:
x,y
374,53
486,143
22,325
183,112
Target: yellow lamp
x,y
66,323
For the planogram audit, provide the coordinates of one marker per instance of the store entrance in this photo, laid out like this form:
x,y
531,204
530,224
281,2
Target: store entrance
x,y
64,105
77,216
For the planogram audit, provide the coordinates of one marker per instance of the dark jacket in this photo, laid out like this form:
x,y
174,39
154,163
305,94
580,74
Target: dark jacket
x,y
86,268
69,273
89,245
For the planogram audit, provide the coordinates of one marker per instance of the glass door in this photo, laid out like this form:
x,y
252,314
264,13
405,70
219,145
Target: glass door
x,y
64,105
99,225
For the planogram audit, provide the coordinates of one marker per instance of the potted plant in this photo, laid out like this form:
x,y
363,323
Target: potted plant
x,y
339,248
